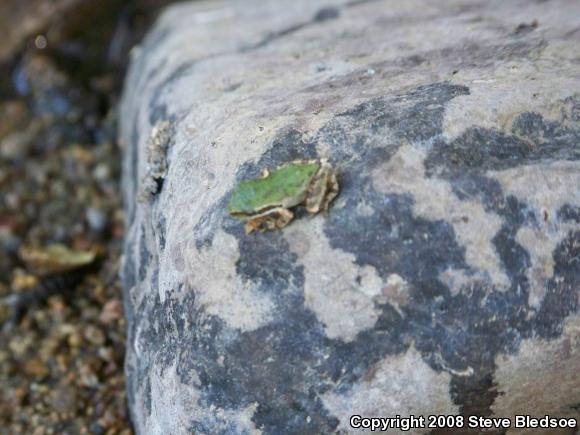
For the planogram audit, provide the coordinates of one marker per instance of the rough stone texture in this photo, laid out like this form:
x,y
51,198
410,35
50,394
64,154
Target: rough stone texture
x,y
445,277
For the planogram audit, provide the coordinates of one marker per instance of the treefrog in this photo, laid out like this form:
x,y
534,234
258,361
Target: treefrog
x,y
264,203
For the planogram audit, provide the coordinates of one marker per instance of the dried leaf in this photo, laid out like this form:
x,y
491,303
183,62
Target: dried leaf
x,y
55,258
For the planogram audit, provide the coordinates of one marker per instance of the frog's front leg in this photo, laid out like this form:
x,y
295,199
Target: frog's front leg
x,y
332,190
261,224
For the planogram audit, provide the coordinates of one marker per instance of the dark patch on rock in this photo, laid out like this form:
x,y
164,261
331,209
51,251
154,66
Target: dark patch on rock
x,y
144,256
233,87
165,335
561,297
470,186
524,28
412,117
476,393
323,14
412,61
350,362
147,394
161,229
274,36
532,139
158,183
158,113
375,129
569,213
354,3
209,222
326,14
209,425
154,283
515,259
406,245
573,103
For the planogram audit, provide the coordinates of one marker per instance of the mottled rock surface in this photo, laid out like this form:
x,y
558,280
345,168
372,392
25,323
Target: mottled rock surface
x,y
445,277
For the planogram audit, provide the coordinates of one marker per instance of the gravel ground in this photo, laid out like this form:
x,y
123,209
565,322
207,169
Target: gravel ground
x,y
62,331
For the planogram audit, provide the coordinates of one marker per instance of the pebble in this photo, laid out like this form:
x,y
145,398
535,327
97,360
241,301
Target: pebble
x,y
35,368
97,219
87,378
102,172
20,345
75,340
10,242
63,398
113,310
95,335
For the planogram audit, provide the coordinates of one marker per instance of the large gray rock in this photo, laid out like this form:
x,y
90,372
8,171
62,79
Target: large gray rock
x,y
445,277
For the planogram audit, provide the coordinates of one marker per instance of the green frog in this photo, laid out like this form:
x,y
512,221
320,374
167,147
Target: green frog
x,y
265,203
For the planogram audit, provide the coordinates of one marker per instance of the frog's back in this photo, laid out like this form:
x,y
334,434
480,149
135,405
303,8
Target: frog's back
x,y
284,186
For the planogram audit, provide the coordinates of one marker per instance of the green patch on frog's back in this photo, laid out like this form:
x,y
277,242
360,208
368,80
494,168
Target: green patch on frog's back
x,y
288,181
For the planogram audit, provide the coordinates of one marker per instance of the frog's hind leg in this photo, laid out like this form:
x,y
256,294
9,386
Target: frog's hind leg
x,y
316,192
322,192
285,216
332,191
275,220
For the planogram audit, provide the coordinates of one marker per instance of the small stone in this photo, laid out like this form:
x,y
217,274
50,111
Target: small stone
x,y
19,394
10,242
22,281
106,353
97,429
20,345
97,219
87,377
63,398
95,335
75,340
113,310
35,368
102,172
